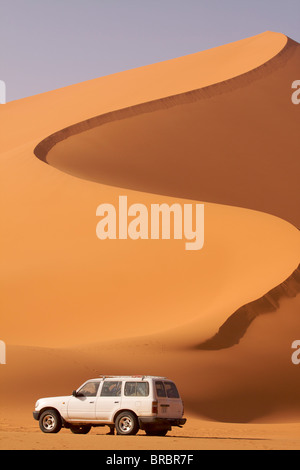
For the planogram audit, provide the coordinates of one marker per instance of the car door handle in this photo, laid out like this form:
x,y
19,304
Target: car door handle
x,y
117,402
92,402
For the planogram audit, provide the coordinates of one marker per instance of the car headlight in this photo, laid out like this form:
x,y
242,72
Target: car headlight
x,y
37,404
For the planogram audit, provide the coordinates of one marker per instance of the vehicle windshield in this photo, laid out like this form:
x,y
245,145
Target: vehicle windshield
x,y
90,389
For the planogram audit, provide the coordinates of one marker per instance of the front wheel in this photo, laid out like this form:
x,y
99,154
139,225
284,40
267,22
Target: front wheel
x,y
50,422
127,424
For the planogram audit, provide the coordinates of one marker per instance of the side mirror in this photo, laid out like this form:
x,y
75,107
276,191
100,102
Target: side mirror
x,y
74,393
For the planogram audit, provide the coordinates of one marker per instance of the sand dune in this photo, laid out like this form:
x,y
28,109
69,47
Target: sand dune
x,y
54,110
238,323
73,303
254,381
234,147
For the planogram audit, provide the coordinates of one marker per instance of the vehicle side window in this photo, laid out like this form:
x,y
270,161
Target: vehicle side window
x,y
90,389
136,389
111,389
160,389
171,390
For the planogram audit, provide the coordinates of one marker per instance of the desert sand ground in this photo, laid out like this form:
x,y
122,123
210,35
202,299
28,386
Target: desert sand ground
x,y
197,435
243,397
75,307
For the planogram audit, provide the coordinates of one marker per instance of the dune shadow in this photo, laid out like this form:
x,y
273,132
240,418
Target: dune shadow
x,y
235,327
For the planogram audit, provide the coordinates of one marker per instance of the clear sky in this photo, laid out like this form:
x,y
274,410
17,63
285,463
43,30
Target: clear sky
x,y
48,44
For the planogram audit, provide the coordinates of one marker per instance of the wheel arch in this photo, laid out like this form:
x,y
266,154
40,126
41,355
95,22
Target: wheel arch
x,y
52,408
122,411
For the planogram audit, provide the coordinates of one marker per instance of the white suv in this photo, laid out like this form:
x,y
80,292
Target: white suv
x,y
124,403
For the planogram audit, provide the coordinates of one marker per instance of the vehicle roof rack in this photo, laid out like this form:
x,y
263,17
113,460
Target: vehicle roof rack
x,y
130,376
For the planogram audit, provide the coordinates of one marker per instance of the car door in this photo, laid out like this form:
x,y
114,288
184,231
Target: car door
x,y
83,406
175,405
162,400
136,397
109,400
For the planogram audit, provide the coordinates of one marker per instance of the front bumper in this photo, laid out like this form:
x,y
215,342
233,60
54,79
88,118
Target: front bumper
x,y
161,422
36,415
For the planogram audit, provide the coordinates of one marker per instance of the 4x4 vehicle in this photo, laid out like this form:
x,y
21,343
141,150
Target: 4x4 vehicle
x,y
126,403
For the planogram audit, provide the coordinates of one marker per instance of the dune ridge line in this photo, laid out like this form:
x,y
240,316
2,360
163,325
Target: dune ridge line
x,y
43,148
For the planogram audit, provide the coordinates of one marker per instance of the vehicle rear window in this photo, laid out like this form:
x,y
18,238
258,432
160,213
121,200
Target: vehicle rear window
x,y
160,389
111,389
171,390
136,389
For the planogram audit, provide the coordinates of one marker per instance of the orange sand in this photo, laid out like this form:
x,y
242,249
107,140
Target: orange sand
x,y
74,306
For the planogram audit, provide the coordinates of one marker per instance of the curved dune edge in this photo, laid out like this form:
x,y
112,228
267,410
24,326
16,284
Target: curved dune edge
x,y
43,148
243,317
235,327
238,135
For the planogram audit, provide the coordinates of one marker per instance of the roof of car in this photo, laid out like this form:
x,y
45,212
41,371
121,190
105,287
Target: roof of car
x,y
103,377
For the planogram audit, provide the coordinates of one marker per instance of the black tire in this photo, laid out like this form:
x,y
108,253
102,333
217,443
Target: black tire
x,y
127,424
156,432
50,422
84,429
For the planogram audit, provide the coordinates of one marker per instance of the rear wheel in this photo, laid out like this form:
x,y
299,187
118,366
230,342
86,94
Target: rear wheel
x,y
127,424
50,422
84,429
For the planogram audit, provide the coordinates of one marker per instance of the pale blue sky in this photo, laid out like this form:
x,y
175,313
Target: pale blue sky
x,y
48,44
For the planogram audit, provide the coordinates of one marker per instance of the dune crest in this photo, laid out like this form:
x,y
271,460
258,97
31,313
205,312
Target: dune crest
x,y
118,149
205,92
